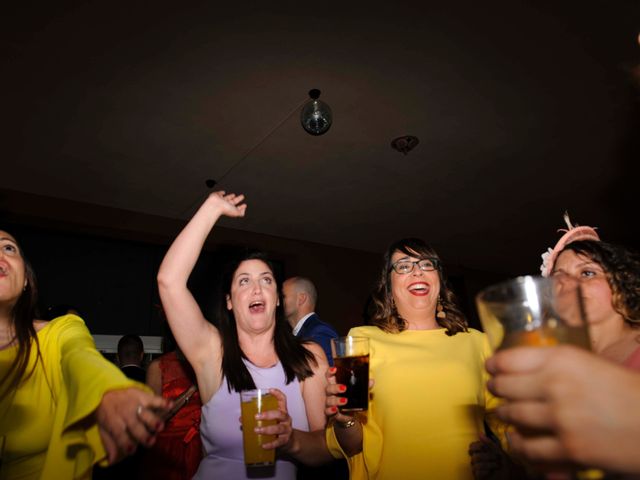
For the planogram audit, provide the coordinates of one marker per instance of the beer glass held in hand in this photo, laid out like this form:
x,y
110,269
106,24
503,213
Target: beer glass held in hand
x,y
253,402
534,311
351,359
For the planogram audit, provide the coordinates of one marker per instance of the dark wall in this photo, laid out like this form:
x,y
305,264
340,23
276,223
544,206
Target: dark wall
x,y
112,281
104,262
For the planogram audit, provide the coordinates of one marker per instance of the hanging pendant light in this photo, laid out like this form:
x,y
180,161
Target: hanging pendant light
x,y
316,117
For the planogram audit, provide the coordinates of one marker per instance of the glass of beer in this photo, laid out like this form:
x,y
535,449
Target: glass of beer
x,y
351,359
534,311
253,402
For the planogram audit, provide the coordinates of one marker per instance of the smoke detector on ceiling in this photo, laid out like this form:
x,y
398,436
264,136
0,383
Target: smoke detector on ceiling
x,y
404,144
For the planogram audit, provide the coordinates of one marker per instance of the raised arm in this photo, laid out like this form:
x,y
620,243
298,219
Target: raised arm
x,y
198,339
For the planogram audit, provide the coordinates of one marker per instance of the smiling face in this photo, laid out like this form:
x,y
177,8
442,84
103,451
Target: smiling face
x,y
415,292
253,297
12,270
594,285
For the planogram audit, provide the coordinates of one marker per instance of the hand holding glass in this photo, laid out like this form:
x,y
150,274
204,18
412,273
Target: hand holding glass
x,y
253,402
351,359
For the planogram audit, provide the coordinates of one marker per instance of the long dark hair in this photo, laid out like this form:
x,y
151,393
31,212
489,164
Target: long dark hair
x,y
622,269
385,314
23,313
295,358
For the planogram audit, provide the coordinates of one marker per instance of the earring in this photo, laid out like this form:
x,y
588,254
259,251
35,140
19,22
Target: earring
x,y
440,309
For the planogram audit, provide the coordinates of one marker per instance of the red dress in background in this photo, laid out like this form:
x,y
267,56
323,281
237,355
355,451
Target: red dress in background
x,y
178,449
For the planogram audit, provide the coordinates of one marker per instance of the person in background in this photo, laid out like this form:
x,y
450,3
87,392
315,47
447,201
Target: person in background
x,y
251,347
178,449
63,406
429,398
130,357
300,298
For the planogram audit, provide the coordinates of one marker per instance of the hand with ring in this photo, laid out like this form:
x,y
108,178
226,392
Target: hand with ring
x,y
126,418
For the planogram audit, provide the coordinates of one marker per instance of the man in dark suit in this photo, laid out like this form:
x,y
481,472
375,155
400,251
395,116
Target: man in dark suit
x,y
130,356
300,298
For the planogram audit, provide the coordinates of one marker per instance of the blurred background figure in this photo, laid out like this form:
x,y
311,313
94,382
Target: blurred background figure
x,y
63,406
300,299
178,449
130,357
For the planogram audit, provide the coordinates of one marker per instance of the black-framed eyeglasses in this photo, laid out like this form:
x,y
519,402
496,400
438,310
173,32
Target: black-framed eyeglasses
x,y
406,266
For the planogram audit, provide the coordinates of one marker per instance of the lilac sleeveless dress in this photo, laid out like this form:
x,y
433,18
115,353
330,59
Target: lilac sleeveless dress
x,y
220,426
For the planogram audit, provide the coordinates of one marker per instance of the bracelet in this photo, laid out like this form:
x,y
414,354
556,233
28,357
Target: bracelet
x,y
345,425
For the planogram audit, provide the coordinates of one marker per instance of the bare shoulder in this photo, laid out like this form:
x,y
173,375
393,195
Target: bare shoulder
x,y
317,351
40,324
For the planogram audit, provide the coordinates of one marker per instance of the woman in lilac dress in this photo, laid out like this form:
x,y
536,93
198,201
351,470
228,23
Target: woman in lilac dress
x,y
252,347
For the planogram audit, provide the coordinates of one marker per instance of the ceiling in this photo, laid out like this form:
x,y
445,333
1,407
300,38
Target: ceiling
x,y
523,109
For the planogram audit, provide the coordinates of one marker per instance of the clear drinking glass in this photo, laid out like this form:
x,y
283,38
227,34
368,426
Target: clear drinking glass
x,y
253,402
534,311
351,359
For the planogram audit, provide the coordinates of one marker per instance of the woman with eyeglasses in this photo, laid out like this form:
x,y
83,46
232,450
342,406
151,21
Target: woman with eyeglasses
x,y
429,399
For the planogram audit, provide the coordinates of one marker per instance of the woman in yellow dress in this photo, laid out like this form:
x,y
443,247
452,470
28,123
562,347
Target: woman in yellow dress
x,y
63,407
429,399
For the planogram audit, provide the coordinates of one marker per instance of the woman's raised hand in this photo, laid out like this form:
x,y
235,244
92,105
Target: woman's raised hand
x,y
127,417
229,204
283,428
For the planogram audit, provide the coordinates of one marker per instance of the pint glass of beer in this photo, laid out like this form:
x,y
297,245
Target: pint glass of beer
x,y
253,402
534,311
351,359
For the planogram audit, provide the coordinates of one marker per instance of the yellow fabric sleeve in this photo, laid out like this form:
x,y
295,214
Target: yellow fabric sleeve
x,y
491,402
356,463
87,376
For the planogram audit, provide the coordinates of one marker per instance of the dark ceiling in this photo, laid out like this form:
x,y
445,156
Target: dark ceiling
x,y
523,109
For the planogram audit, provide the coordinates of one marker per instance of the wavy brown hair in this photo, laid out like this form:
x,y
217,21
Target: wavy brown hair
x,y
386,316
23,313
622,269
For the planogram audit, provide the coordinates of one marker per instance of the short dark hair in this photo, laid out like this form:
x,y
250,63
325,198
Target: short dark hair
x,y
130,345
294,357
622,269
385,314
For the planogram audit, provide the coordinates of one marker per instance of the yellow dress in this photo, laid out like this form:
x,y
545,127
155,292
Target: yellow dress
x,y
426,407
41,435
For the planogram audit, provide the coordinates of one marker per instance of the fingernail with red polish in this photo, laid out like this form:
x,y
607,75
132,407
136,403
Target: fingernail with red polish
x,y
342,388
334,409
342,401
